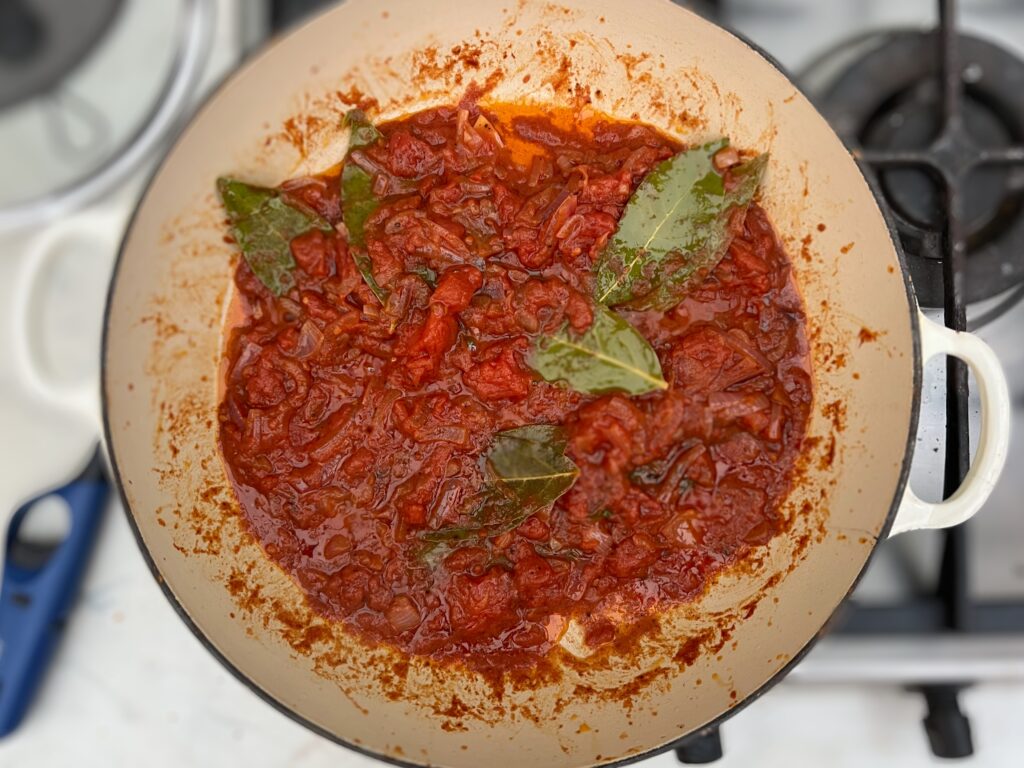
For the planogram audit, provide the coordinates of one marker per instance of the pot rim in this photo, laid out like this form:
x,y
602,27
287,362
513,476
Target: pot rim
x,y
222,85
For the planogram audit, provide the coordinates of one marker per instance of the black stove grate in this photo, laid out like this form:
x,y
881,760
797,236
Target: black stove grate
x,y
881,92
951,157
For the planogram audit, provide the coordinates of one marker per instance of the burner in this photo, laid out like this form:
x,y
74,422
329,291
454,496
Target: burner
x,y
42,41
67,136
881,92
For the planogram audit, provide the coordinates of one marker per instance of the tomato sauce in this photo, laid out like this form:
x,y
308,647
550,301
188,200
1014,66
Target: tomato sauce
x,y
350,428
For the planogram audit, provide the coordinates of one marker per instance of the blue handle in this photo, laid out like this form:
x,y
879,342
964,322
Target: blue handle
x,y
36,596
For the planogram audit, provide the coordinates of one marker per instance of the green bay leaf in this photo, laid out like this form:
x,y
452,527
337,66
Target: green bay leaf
x,y
358,202
365,267
611,356
362,132
429,275
494,515
530,463
264,225
527,471
674,230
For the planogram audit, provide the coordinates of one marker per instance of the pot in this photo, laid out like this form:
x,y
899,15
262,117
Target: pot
x,y
279,117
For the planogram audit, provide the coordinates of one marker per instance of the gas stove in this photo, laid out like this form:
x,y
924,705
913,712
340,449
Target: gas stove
x,y
920,97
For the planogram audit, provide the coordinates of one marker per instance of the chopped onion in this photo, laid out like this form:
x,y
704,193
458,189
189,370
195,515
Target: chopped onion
x,y
563,213
465,133
678,529
564,163
484,128
475,189
555,627
741,342
735,405
309,341
556,205
246,357
403,614
291,307
572,225
234,414
449,433
536,169
725,158
774,429
382,411
574,641
594,539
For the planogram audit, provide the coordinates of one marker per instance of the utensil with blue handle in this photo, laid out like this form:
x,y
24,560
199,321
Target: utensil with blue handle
x,y
40,579
40,582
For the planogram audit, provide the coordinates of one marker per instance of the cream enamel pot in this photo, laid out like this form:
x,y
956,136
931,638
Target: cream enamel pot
x,y
279,117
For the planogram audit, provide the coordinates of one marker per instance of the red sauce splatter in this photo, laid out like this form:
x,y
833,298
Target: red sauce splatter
x,y
866,334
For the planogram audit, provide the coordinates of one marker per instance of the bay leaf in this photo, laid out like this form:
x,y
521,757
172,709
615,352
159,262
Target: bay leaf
x,y
674,230
362,132
531,463
429,275
527,471
264,225
358,202
611,356
566,553
496,514
365,267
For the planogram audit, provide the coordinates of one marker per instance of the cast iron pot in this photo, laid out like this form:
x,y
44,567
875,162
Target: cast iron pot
x,y
279,116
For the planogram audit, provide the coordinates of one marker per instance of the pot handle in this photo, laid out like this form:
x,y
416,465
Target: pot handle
x,y
993,442
99,230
